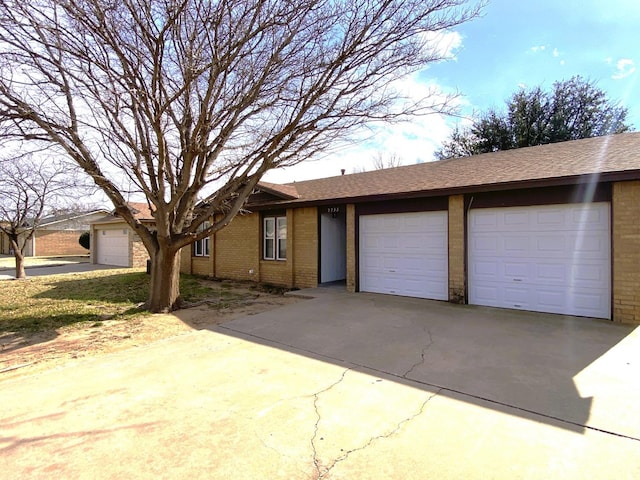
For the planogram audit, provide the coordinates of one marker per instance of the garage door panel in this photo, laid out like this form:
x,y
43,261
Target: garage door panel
x,y
551,299
487,245
482,222
487,268
517,269
411,242
549,273
590,247
372,262
518,245
550,217
591,219
560,259
587,301
514,219
113,247
516,295
584,274
550,244
404,254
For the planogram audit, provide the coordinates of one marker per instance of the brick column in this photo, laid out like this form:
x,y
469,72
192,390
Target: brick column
x,y
457,291
626,252
351,248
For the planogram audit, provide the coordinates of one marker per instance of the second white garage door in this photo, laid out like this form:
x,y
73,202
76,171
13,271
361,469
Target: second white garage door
x,y
405,254
113,247
554,258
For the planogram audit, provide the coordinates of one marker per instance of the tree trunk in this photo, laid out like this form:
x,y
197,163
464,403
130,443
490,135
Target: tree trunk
x,y
164,289
17,254
20,273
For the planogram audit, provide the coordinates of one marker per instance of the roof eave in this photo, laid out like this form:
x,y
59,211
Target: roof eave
x,y
460,190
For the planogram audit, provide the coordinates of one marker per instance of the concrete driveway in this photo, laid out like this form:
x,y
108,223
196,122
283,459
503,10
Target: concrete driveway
x,y
39,271
342,387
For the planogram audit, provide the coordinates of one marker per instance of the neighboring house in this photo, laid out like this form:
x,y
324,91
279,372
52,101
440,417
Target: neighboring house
x,y
113,242
57,235
552,228
5,246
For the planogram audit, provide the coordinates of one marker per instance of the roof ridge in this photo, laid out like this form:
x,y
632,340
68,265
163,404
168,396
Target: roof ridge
x,y
560,161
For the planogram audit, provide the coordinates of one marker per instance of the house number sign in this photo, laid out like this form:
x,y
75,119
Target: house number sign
x,y
333,209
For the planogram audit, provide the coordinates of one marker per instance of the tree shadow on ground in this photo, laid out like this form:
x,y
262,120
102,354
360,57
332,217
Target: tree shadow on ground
x,y
519,363
11,341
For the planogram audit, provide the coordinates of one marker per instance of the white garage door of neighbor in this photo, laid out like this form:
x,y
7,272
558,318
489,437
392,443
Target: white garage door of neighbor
x,y
554,258
113,247
405,254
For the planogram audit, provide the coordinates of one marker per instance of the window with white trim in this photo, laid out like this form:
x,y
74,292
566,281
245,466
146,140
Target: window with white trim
x,y
274,234
201,247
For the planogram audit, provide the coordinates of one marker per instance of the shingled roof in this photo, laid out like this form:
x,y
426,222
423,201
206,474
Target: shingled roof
x,y
140,210
611,157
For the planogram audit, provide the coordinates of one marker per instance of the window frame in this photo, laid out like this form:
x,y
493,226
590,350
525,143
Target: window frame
x,y
273,247
202,247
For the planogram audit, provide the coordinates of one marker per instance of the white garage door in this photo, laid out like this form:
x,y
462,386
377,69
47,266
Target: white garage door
x,y
554,259
405,254
113,247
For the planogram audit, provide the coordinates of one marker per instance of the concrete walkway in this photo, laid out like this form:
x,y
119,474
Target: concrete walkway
x,y
342,387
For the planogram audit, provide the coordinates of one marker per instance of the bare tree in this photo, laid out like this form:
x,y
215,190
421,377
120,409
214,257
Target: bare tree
x,y
388,160
27,187
183,97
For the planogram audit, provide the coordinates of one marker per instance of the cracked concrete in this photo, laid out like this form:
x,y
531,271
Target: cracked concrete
x,y
326,471
316,390
422,356
316,460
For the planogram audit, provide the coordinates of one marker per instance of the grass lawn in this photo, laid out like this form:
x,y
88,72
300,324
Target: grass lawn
x,y
47,303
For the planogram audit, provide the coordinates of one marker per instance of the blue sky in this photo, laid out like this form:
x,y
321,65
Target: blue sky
x,y
539,42
514,44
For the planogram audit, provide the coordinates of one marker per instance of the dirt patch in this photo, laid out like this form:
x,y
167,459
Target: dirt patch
x,y
24,354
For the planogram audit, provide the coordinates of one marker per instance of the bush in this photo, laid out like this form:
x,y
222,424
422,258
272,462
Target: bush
x,y
85,240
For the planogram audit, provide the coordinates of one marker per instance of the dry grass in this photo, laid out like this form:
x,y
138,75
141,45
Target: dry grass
x,y
50,321
47,303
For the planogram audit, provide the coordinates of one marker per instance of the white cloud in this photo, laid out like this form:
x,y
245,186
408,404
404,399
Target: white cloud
x,y
538,48
413,141
556,52
624,68
444,44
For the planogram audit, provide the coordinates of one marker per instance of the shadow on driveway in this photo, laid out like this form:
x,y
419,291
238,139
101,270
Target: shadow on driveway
x,y
574,372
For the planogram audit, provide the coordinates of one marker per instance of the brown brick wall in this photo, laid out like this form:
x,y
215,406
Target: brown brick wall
x,y
138,255
456,249
236,252
200,265
351,248
237,248
626,252
305,247
58,242
276,272
197,265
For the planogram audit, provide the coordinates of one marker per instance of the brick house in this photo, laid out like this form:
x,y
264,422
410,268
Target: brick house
x,y
115,243
57,235
552,228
